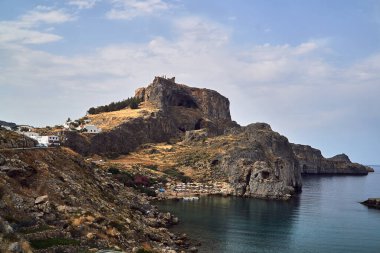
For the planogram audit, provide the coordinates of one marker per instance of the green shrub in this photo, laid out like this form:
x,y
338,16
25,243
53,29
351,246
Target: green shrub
x,y
177,174
114,170
152,166
131,102
35,229
50,242
141,250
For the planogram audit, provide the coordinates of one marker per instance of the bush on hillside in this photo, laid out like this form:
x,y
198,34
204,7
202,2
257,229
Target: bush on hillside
x,y
131,102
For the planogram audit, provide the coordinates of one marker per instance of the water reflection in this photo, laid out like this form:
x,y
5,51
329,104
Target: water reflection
x,y
326,217
236,224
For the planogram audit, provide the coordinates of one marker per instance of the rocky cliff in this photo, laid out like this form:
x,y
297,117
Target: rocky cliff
x,y
254,160
261,164
52,200
312,161
251,161
10,139
180,109
165,93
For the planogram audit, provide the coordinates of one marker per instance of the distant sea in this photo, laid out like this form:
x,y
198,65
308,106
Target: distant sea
x,y
326,217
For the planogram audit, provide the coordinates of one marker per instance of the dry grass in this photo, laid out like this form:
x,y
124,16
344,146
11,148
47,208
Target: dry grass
x,y
180,156
109,120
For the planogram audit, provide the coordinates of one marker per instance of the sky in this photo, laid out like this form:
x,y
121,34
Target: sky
x,y
311,69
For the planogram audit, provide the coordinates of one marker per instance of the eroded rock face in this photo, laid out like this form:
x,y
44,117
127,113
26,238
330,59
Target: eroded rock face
x,y
262,164
312,161
182,109
10,139
165,93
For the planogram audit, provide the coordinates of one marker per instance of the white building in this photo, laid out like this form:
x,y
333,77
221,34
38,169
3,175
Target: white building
x,y
92,129
48,140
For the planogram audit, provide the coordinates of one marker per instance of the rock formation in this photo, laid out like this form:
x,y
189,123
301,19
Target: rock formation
x,y
255,160
10,139
312,161
165,93
261,164
181,109
372,203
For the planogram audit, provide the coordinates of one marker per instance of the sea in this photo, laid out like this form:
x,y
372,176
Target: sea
x,y
325,217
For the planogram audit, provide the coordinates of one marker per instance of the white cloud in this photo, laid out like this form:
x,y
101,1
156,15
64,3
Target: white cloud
x,y
38,16
13,32
83,4
129,9
25,29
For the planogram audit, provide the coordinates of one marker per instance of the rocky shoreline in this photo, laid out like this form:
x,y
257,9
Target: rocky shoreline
x,y
372,203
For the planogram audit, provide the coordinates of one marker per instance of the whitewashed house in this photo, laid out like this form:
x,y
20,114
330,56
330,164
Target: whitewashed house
x,y
48,140
92,129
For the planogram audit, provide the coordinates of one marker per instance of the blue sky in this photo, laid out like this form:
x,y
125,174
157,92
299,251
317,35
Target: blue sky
x,y
311,69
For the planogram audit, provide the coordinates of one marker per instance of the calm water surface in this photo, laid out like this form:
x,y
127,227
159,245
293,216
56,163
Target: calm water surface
x,y
326,217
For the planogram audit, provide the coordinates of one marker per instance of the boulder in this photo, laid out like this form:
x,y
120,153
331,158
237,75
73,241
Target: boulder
x,y
41,199
261,164
372,203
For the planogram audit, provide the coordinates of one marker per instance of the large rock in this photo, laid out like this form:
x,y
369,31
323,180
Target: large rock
x,y
181,109
312,161
372,203
10,139
165,93
262,164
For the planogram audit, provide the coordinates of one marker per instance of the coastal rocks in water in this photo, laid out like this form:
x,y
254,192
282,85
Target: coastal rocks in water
x,y
372,203
312,161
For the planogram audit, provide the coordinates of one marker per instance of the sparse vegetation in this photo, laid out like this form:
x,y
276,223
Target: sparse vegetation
x,y
138,182
177,174
50,242
152,167
143,251
131,102
33,230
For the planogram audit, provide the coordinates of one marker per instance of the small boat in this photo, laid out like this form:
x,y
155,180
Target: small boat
x,y
190,198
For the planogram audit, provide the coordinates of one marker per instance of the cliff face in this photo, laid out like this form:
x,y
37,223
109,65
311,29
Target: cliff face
x,y
312,162
262,164
165,93
10,139
181,109
251,161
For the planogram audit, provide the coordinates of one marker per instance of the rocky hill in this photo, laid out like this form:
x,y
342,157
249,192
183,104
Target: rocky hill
x,y
312,161
251,161
52,200
254,160
7,124
168,111
10,139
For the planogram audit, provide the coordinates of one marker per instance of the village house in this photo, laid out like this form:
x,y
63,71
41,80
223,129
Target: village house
x,y
47,140
92,129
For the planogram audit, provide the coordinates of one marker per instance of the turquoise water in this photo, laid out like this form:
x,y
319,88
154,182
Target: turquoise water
x,y
326,217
